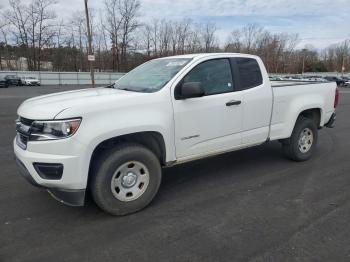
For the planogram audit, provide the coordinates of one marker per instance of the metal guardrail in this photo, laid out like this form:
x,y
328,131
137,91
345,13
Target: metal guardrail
x,y
67,78
321,74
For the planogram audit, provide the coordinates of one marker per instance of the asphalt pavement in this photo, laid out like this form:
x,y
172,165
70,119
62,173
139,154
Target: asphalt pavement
x,y
249,205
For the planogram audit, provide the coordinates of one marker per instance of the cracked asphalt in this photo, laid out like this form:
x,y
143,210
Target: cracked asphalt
x,y
249,205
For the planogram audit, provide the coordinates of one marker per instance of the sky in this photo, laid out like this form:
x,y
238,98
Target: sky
x,y
318,22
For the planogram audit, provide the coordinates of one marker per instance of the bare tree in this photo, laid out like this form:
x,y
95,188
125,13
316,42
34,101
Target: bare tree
x,y
5,54
184,30
128,11
250,34
147,38
208,36
18,17
194,41
77,28
32,27
113,26
44,31
234,43
155,33
165,31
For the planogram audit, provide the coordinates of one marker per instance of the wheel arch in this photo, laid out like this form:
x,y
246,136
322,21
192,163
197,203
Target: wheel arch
x,y
314,113
152,140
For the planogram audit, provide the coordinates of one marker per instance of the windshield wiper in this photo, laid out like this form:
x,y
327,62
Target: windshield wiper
x,y
120,88
110,86
139,90
125,88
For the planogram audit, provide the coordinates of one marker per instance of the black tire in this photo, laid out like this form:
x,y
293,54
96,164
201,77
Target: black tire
x,y
104,170
291,146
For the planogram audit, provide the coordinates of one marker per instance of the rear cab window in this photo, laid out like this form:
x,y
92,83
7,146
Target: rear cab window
x,y
247,72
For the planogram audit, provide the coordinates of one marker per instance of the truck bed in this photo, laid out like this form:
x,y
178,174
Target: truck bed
x,y
287,103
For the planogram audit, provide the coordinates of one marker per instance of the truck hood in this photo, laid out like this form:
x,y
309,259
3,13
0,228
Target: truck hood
x,y
49,106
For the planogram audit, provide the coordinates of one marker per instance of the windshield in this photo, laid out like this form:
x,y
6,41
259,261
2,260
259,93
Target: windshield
x,y
151,76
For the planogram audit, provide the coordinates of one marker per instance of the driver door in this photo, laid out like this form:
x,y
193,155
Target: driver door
x,y
213,122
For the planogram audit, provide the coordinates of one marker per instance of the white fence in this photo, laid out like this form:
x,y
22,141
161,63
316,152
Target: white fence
x,y
67,78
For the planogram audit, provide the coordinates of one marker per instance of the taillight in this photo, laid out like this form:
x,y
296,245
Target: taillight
x,y
336,98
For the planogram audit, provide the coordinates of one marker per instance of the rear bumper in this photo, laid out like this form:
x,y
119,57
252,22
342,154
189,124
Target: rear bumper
x,y
71,197
331,122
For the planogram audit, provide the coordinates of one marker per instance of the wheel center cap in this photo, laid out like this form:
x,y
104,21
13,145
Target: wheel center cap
x,y
303,140
129,179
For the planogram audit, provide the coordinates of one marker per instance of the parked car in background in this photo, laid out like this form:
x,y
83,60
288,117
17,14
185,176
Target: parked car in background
x,y
294,78
30,81
347,81
314,78
13,80
3,83
276,78
338,80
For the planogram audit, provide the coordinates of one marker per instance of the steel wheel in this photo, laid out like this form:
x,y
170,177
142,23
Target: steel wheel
x,y
306,139
130,181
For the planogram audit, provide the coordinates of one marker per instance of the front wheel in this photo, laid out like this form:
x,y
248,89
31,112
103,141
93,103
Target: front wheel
x,y
125,179
301,144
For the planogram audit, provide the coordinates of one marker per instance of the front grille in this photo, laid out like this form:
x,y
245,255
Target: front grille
x,y
23,131
26,121
23,139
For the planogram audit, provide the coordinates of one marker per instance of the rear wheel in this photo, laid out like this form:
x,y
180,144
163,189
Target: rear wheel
x,y
125,179
301,144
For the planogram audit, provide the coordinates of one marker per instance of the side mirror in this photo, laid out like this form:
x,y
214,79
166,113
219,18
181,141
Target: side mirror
x,y
190,90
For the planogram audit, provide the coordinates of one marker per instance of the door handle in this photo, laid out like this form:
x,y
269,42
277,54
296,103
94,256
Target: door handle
x,y
233,103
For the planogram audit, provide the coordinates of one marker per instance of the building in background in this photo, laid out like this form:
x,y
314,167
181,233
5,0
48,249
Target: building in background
x,y
21,64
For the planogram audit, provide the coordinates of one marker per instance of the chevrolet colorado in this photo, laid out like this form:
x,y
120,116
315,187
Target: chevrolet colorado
x,y
114,141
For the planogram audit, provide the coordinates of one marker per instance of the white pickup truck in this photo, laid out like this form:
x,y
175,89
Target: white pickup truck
x,y
114,141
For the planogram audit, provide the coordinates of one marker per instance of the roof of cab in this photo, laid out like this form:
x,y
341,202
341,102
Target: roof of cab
x,y
204,55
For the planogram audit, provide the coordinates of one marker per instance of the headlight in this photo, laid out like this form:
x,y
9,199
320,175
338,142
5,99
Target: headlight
x,y
55,129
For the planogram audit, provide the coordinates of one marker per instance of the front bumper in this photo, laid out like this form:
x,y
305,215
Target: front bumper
x,y
32,83
65,196
70,188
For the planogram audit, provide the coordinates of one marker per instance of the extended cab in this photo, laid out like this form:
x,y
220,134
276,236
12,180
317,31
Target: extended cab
x,y
115,140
